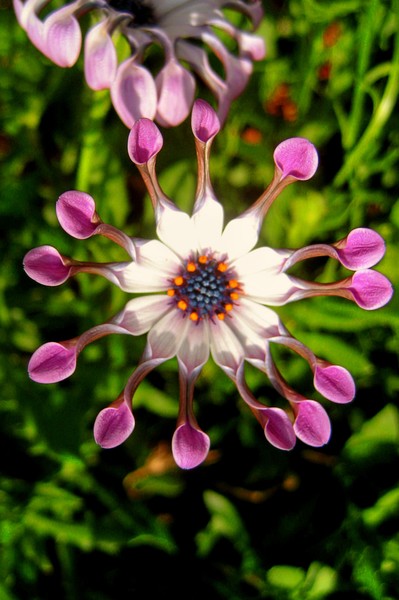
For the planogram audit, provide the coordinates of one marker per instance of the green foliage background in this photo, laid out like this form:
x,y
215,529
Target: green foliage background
x,y
253,522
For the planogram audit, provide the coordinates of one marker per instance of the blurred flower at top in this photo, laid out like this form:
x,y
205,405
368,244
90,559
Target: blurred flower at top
x,y
184,29
204,289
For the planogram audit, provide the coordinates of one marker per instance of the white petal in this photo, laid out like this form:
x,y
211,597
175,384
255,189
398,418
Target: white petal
x,y
254,344
267,288
167,335
240,236
194,350
155,255
260,259
208,223
226,349
253,324
176,229
261,318
138,279
156,265
140,314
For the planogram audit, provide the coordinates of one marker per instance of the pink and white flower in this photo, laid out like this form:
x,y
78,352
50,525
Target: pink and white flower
x,y
206,290
172,25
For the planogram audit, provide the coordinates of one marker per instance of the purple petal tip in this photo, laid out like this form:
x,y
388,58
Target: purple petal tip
x,y
335,383
51,363
370,289
113,426
190,446
176,88
296,157
204,121
76,213
63,38
46,266
278,428
312,425
361,249
145,141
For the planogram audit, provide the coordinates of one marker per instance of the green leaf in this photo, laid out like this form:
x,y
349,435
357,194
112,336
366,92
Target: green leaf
x,y
381,430
155,400
285,577
385,508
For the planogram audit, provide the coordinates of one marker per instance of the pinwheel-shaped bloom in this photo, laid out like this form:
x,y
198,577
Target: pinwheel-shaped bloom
x,y
178,27
205,289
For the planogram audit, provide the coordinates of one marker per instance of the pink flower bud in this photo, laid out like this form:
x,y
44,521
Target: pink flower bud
x,y
278,428
334,383
204,121
312,425
370,289
52,362
113,425
297,158
145,141
47,266
190,446
361,249
76,212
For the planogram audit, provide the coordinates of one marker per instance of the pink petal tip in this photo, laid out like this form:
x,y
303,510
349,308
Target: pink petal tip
x,y
278,428
190,446
176,88
312,425
100,60
145,141
76,213
370,289
113,426
361,249
51,363
297,158
204,121
335,383
63,38
46,266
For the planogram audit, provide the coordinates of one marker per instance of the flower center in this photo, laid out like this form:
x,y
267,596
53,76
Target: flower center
x,y
142,13
205,287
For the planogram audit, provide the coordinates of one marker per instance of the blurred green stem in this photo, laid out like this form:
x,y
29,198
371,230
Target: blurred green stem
x,y
379,118
365,35
92,140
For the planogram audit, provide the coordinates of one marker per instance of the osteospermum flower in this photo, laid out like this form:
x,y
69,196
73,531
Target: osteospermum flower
x,y
206,290
177,26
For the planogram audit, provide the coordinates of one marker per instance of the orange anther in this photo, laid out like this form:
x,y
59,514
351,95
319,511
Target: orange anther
x,y
194,316
228,307
182,305
221,316
233,283
178,280
191,267
203,259
234,296
222,267
171,292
